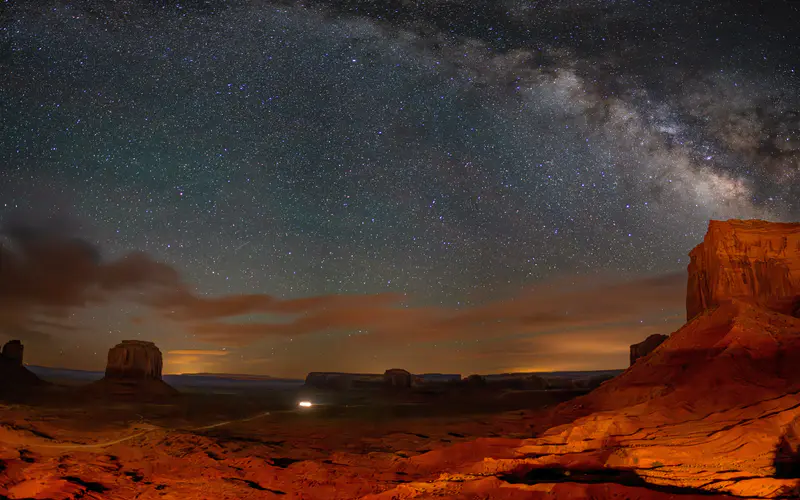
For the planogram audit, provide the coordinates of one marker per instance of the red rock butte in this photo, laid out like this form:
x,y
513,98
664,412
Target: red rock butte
x,y
750,260
134,359
133,371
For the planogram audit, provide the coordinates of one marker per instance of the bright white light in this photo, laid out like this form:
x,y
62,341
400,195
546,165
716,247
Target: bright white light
x,y
305,404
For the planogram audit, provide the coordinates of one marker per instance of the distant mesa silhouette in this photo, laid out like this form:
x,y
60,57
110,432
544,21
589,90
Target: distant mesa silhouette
x,y
13,352
397,378
393,378
15,379
341,381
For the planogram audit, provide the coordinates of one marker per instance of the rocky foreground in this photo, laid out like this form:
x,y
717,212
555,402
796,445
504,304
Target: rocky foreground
x,y
713,410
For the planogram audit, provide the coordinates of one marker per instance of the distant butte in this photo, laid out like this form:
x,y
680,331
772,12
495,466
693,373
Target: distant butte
x,y
134,359
15,379
133,371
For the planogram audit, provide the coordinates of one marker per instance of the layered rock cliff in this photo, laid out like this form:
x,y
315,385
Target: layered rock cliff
x,y
134,359
750,260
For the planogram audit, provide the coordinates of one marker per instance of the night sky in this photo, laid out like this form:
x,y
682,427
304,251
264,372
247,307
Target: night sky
x,y
442,186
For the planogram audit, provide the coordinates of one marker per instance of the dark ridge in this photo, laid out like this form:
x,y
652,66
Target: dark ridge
x,y
273,443
455,434
283,462
25,456
787,457
224,438
134,476
89,485
598,476
31,430
254,485
248,482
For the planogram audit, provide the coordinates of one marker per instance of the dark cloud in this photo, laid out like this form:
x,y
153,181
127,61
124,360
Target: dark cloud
x,y
46,273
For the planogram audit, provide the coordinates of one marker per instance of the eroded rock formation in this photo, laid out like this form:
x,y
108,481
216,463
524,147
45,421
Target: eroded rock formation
x,y
14,377
647,346
134,359
13,352
397,377
750,260
133,371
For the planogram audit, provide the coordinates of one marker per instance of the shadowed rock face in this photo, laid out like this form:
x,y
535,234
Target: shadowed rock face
x,y
13,352
134,359
397,377
14,377
750,260
133,372
647,346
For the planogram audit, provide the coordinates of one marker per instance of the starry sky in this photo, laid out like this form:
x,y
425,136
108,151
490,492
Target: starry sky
x,y
443,186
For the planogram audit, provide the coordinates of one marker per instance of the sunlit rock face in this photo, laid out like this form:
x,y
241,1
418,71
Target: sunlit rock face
x,y
750,260
134,359
647,346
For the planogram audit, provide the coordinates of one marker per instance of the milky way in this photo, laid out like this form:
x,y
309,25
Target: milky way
x,y
454,152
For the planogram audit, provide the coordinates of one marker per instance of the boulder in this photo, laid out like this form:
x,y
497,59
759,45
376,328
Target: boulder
x,y
134,359
13,352
751,260
647,346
